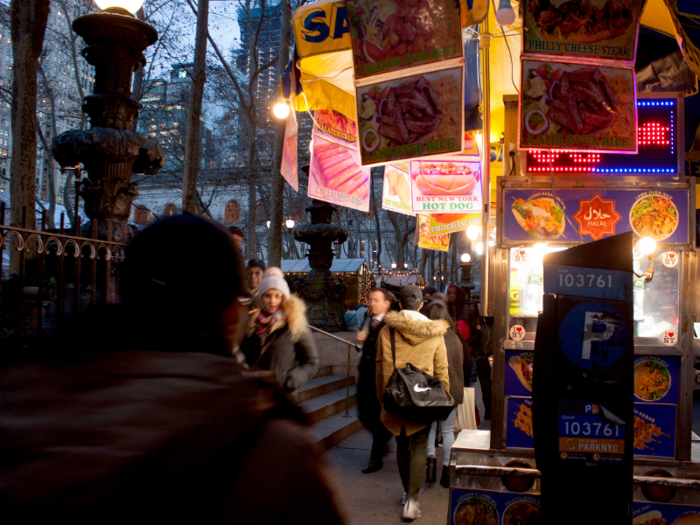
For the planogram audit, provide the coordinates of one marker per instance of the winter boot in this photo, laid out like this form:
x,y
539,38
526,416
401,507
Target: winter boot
x,y
445,478
431,474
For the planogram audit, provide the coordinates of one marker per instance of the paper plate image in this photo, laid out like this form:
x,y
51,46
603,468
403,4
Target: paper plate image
x,y
475,510
523,368
541,217
654,216
652,380
522,513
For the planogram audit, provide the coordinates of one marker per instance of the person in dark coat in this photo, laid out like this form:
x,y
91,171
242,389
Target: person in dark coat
x,y
380,301
278,336
140,415
453,343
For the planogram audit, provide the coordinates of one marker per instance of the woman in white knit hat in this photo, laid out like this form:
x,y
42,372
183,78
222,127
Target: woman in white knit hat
x,y
278,337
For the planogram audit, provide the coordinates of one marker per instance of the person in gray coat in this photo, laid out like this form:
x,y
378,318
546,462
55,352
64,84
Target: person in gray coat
x,y
278,337
453,343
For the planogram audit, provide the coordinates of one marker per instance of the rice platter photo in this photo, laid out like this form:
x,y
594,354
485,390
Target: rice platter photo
x,y
384,31
411,117
584,107
654,216
652,380
541,218
522,513
475,510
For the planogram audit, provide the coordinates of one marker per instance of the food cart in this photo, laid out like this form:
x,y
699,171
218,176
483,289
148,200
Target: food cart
x,y
498,467
594,186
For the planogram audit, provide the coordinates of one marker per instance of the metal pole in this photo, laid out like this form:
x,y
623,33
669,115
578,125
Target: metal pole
x,y
347,385
484,45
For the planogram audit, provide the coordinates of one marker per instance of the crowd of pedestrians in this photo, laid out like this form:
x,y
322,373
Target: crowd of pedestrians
x,y
181,403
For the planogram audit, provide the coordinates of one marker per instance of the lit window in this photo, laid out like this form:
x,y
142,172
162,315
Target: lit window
x,y
142,216
233,212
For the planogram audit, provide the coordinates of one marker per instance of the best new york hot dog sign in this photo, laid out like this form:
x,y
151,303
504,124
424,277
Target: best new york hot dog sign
x,y
445,186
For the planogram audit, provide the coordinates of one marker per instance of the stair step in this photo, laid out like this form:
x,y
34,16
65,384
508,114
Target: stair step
x,y
329,432
326,405
324,371
322,385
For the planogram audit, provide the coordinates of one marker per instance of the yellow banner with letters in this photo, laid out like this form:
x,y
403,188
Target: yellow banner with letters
x,y
321,27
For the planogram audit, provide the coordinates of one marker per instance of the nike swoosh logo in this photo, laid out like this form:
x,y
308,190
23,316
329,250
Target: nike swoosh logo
x,y
419,389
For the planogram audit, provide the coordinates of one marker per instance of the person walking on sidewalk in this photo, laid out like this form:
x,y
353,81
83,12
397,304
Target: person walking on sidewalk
x,y
278,337
379,303
453,343
418,341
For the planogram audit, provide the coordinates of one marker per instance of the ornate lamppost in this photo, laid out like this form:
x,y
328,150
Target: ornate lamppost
x,y
324,295
467,285
109,150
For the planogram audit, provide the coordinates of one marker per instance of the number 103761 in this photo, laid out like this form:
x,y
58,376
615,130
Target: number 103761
x,y
591,429
587,280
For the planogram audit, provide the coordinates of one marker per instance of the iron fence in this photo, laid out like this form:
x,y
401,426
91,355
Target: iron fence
x,y
53,274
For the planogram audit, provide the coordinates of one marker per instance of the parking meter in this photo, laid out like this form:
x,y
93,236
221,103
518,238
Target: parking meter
x,y
583,384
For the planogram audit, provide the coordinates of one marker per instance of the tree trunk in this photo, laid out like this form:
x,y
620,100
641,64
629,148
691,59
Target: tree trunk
x,y
398,238
194,111
252,212
274,239
28,26
423,263
454,241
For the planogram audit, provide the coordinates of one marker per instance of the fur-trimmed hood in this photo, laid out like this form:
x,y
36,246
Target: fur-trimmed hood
x,y
414,327
295,312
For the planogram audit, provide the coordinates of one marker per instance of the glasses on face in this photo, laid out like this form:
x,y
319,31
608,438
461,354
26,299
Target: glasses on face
x,y
244,300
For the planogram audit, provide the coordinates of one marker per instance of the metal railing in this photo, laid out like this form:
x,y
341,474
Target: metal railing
x,y
347,379
43,272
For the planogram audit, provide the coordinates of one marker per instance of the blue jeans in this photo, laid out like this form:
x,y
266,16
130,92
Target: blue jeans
x,y
448,437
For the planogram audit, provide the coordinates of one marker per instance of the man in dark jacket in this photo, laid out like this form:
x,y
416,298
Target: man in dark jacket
x,y
140,414
379,304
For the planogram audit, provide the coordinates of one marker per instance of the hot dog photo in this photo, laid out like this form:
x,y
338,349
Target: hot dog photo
x,y
445,187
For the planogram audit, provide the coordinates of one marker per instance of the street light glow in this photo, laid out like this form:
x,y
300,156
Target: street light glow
x,y
647,245
466,257
479,247
473,232
129,5
290,223
281,109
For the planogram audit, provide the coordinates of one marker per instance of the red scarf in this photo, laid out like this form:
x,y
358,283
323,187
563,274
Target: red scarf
x,y
264,323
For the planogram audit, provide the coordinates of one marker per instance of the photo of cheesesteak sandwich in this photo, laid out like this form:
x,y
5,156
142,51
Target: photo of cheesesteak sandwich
x,y
582,21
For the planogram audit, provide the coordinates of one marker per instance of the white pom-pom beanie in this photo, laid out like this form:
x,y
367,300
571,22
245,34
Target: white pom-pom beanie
x,y
273,279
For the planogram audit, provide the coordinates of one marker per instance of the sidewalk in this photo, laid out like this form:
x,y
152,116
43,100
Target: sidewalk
x,y
375,499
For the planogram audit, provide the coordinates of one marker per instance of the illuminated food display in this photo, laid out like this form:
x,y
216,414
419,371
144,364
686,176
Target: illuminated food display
x,y
577,107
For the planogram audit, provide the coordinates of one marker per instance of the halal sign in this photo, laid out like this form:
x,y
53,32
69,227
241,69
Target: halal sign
x,y
597,217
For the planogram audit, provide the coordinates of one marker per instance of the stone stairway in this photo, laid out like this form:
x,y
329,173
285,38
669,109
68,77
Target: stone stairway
x,y
323,400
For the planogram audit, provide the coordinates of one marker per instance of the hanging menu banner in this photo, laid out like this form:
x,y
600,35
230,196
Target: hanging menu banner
x,y
578,107
426,241
445,186
452,222
414,116
289,165
536,215
396,191
393,35
335,127
595,29
335,175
